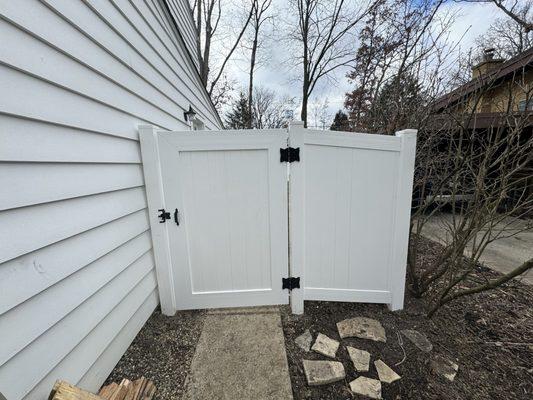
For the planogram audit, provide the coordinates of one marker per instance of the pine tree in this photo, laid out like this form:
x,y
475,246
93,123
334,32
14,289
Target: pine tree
x,y
340,122
239,117
397,105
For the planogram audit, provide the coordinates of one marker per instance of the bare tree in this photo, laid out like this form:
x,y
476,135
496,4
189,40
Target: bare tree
x,y
475,180
511,8
403,47
508,37
270,111
325,33
223,91
259,17
208,16
319,112
483,176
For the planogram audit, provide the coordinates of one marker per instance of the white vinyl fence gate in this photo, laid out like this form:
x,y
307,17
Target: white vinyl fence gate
x,y
229,209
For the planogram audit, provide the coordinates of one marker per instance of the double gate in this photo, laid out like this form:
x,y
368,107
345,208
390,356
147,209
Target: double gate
x,y
229,209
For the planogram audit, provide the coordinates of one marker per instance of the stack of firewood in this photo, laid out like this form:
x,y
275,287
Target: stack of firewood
x,y
140,389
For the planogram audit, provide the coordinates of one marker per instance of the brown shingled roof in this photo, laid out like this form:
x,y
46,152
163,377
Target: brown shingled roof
x,y
509,67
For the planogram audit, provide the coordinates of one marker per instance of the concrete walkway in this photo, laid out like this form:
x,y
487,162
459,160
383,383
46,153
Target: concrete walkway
x,y
502,255
240,355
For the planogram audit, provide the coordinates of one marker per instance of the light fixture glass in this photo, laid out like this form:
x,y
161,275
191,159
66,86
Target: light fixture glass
x,y
190,114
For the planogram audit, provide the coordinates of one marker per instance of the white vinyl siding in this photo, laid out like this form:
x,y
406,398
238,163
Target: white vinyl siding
x,y
182,13
77,278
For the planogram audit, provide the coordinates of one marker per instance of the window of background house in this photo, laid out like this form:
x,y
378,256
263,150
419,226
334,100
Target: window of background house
x,y
525,105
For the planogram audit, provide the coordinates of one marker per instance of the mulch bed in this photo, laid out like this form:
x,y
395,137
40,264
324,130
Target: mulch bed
x,y
489,335
162,352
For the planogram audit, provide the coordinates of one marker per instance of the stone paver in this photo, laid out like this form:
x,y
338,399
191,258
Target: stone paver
x,y
361,327
385,373
444,367
325,346
419,339
366,387
360,358
240,355
323,372
304,340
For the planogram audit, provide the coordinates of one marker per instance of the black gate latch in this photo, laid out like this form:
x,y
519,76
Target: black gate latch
x,y
289,154
290,283
163,216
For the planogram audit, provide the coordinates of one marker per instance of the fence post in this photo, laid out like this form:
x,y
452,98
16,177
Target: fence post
x,y
297,216
402,217
154,194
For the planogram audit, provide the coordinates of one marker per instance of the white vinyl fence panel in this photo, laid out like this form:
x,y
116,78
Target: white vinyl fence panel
x,y
224,244
349,207
350,210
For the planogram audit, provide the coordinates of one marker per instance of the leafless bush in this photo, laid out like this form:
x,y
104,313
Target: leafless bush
x,y
480,170
474,154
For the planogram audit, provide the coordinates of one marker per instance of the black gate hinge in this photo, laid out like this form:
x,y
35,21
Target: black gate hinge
x,y
290,154
290,283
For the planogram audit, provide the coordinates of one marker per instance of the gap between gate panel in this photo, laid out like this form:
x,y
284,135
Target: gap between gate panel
x,y
296,211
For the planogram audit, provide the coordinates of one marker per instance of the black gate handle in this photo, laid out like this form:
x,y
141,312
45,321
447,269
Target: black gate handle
x,y
176,220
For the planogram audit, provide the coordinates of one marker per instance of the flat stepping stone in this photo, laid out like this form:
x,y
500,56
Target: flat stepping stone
x,y
444,367
361,327
366,387
386,373
323,372
360,358
304,340
325,346
419,339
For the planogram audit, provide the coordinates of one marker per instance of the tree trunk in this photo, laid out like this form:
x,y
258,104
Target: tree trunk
x,y
251,77
305,93
303,114
204,68
199,35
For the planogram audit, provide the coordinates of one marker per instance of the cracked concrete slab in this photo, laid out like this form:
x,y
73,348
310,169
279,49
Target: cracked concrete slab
x,y
240,355
502,255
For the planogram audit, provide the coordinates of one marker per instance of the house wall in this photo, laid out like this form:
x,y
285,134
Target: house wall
x,y
507,96
77,278
502,97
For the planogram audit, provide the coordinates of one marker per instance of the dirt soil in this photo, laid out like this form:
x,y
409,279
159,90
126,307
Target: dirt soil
x,y
489,335
162,351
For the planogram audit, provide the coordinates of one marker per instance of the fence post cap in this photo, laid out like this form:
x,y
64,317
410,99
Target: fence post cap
x,y
406,132
296,124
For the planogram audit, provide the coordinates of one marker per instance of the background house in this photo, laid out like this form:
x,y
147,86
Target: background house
x,y
77,277
497,87
497,100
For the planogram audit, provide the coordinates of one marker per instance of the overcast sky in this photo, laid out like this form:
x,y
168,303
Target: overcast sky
x,y
472,21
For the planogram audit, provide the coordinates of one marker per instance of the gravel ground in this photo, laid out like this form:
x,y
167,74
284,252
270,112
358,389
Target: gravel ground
x,y
490,336
162,351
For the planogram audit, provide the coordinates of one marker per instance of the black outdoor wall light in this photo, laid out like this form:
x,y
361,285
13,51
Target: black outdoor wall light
x,y
189,115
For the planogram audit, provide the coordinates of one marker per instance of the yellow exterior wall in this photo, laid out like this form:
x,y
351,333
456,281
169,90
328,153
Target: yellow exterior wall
x,y
503,98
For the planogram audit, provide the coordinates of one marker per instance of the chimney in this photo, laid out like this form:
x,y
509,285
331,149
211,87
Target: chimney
x,y
489,63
